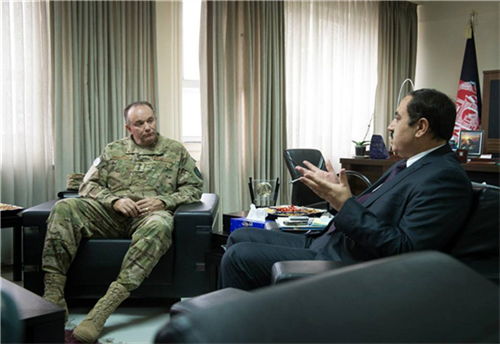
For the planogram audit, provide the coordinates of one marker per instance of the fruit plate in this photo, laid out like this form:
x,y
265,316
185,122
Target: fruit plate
x,y
293,210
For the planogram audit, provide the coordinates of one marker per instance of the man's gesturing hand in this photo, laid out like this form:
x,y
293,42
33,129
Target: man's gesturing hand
x,y
326,185
329,175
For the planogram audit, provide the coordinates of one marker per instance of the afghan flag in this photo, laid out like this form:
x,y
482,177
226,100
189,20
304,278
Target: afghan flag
x,y
469,93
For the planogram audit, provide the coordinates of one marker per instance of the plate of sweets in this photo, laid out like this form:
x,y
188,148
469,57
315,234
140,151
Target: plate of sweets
x,y
294,210
9,209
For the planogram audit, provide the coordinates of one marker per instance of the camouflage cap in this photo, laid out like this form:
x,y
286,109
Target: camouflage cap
x,y
73,181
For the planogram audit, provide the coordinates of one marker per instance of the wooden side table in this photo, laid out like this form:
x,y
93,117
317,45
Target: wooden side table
x,y
214,256
213,259
10,219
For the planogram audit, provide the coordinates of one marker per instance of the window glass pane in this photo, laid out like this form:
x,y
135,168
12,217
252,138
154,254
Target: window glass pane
x,y
191,12
191,117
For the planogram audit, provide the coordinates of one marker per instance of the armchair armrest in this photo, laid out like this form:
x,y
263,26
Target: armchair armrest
x,y
34,221
295,269
193,226
37,216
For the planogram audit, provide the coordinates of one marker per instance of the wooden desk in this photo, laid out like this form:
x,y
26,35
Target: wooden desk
x,y
374,168
483,173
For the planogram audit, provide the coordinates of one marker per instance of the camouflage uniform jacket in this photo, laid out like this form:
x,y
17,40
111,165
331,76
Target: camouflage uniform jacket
x,y
126,170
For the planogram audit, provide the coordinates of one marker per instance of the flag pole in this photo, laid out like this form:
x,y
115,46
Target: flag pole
x,y
468,99
473,19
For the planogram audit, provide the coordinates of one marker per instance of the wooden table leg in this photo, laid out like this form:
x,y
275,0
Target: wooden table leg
x,y
18,264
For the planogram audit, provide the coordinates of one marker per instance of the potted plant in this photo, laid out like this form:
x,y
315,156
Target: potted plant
x,y
360,147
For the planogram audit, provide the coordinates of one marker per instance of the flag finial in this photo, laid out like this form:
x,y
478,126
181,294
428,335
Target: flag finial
x,y
471,24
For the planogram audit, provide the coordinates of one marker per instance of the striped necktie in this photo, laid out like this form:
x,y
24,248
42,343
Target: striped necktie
x,y
399,167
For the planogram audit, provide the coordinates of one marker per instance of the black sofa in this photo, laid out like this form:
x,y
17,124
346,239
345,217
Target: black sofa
x,y
476,244
421,297
180,273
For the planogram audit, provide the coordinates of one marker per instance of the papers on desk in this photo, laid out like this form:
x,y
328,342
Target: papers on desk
x,y
313,224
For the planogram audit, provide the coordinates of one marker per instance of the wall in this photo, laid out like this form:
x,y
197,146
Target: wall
x,y
441,42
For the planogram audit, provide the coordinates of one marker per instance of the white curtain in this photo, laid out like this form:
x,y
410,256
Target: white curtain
x,y
26,158
331,74
243,99
397,59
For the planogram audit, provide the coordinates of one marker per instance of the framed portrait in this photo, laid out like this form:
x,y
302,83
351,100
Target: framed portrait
x,y
472,140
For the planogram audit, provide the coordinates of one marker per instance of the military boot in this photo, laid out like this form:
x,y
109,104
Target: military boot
x,y
54,291
90,328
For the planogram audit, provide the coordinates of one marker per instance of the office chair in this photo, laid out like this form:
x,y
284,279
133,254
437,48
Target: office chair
x,y
301,194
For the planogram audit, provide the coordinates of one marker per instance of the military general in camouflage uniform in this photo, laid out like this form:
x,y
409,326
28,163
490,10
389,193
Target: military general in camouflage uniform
x,y
130,191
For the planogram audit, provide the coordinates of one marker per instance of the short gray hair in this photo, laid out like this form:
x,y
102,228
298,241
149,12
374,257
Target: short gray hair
x,y
138,103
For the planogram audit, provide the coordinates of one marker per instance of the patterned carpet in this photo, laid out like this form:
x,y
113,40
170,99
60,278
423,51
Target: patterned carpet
x,y
68,337
127,325
68,334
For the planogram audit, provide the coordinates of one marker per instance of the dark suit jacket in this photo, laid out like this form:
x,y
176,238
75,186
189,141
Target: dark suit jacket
x,y
420,209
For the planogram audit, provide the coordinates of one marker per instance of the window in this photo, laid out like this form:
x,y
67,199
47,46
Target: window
x,y
191,102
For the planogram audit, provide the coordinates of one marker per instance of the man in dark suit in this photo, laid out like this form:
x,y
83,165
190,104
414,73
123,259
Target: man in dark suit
x,y
419,204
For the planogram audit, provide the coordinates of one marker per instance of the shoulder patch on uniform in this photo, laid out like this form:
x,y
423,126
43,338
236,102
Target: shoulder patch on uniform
x,y
97,162
198,173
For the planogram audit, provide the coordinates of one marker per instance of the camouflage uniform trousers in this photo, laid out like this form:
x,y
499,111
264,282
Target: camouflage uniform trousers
x,y
76,218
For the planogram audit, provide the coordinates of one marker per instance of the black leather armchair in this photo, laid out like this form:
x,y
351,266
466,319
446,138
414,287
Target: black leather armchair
x,y
12,326
476,244
180,273
421,297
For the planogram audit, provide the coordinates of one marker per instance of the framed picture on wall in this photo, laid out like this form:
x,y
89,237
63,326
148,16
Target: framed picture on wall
x,y
472,140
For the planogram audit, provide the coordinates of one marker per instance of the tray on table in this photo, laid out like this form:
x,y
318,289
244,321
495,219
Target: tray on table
x,y
293,210
8,210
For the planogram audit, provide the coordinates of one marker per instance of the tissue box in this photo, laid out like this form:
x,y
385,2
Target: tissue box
x,y
241,222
